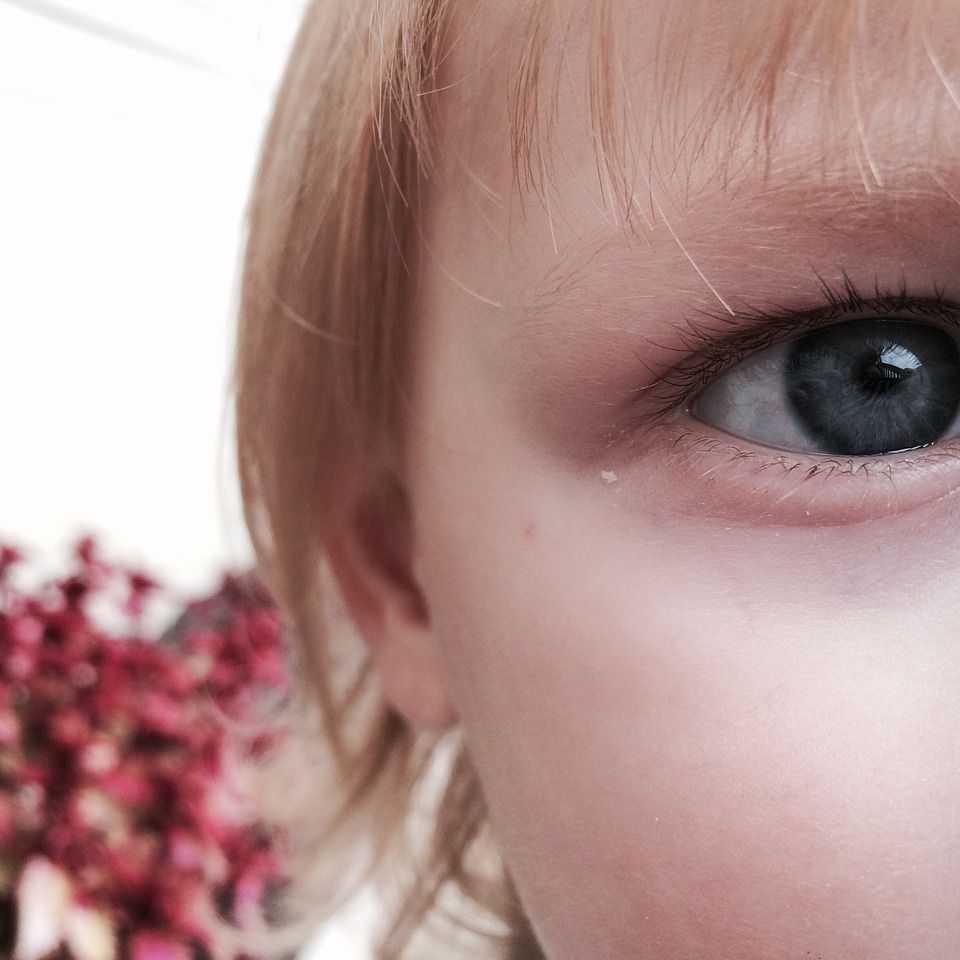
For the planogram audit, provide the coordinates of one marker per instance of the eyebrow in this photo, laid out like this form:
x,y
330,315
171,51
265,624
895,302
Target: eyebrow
x,y
759,237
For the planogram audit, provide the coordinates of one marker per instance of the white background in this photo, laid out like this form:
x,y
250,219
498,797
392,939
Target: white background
x,y
128,135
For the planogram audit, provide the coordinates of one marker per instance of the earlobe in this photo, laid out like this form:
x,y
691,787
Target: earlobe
x,y
372,558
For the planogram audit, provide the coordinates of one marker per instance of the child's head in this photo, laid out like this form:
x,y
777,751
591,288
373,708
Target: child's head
x,y
606,356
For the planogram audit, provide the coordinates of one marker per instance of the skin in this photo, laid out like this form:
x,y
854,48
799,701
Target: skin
x,y
713,705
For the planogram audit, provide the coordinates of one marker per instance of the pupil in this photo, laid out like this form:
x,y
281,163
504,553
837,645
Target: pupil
x,y
874,386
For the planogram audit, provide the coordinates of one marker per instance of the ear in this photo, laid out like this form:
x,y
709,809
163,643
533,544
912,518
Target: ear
x,y
371,556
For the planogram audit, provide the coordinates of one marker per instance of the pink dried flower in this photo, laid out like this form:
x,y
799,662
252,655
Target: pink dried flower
x,y
26,631
70,729
9,557
114,749
10,727
140,586
96,569
152,945
8,819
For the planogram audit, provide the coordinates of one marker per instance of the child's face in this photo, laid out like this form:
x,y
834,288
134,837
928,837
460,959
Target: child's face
x,y
709,673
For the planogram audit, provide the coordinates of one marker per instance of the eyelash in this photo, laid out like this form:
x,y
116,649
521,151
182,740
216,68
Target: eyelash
x,y
715,348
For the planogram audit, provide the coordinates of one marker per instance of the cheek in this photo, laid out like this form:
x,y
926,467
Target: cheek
x,y
698,742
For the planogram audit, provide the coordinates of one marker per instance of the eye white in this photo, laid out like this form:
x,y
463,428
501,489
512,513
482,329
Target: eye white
x,y
750,401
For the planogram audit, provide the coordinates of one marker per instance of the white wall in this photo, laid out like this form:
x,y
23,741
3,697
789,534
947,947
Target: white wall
x,y
123,176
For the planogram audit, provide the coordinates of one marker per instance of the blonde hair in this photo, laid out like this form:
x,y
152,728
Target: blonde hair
x,y
319,371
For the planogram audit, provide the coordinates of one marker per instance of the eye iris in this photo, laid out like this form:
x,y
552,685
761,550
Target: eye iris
x,y
873,386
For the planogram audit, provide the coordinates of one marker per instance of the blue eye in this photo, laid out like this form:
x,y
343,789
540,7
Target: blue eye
x,y
865,387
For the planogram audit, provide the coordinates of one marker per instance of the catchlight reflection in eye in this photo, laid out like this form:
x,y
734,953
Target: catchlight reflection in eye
x,y
864,387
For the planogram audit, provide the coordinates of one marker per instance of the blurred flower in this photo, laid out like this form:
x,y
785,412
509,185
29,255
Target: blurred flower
x,y
119,830
43,897
157,946
140,586
8,558
88,935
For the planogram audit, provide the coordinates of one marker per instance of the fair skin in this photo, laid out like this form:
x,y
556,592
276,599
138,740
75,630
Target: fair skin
x,y
713,704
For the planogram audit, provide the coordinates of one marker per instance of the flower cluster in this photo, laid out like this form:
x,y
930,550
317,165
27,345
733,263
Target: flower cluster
x,y
122,834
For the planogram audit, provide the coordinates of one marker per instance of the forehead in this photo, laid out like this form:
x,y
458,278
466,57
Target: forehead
x,y
681,94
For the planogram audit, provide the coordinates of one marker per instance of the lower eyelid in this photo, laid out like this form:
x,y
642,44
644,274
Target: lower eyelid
x,y
706,474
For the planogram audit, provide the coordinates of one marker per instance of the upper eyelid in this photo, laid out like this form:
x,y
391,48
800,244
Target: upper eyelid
x,y
715,342
841,301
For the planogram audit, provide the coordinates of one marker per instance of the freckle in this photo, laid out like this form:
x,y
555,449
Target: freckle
x,y
529,529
